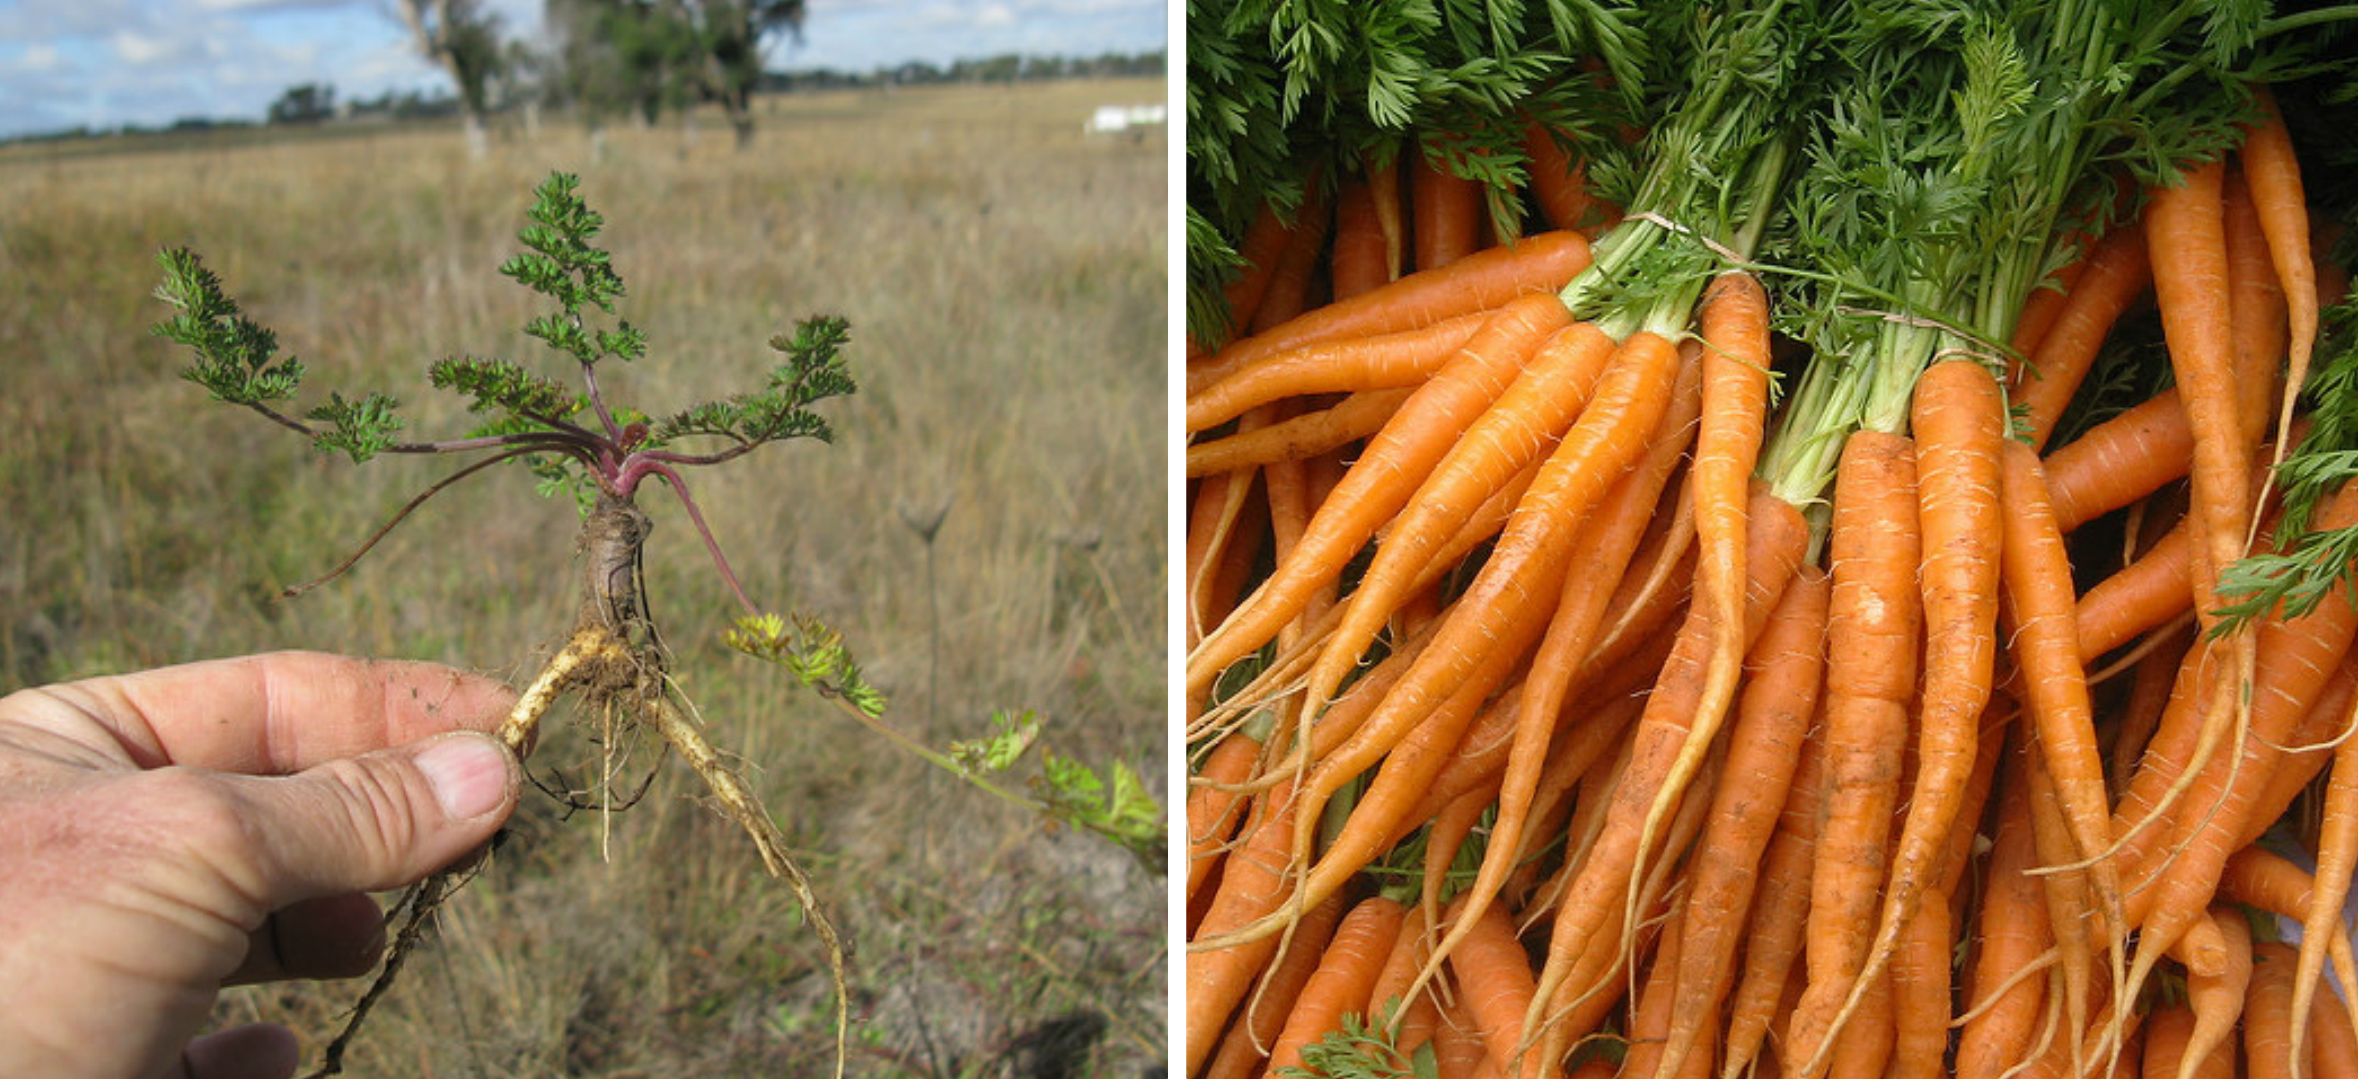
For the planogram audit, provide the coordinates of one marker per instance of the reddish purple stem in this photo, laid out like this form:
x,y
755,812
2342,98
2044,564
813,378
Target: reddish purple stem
x,y
589,377
640,466
563,436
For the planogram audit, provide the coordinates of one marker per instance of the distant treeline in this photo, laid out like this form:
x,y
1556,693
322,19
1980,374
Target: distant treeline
x,y
317,103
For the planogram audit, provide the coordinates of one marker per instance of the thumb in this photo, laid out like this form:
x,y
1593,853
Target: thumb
x,y
381,820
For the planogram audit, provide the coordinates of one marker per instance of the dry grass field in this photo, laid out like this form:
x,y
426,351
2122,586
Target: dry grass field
x,y
1004,275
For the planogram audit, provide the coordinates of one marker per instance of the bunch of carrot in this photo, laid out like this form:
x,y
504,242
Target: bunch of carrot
x,y
1545,715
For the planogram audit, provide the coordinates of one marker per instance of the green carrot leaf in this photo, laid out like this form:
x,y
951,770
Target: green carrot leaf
x,y
235,358
358,429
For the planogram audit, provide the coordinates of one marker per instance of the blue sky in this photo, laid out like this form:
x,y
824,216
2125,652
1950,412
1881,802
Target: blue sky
x,y
106,63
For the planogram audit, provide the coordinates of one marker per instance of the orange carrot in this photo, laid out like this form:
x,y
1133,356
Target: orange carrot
x,y
1650,1013
2149,694
2040,308
1780,544
1288,486
1873,630
1392,1007
1459,1051
2272,1046
1289,290
1602,553
1607,876
1652,594
1344,979
1559,182
1263,241
1213,809
1306,435
2274,173
1484,280
2113,274
1517,429
1383,479
2297,657
1773,935
2141,596
2337,860
1350,364
1772,719
2333,1043
1569,761
1734,321
2184,224
1445,211
1245,1048
2074,919
1959,423
1445,837
1480,757
2217,999
2002,1005
2043,637
1624,940
1503,608
1220,534
1252,883
2264,880
1383,184
2167,1029
1604,889
2255,302
1409,769
1494,973
2308,752
1920,992
2120,460
1361,259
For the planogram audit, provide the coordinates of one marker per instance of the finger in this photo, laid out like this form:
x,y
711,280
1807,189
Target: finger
x,y
378,821
258,1051
271,714
334,936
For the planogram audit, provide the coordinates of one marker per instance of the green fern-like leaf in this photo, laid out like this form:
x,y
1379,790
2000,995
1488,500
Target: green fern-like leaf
x,y
1115,806
358,429
1013,733
814,371
1361,1050
562,264
501,386
814,653
236,360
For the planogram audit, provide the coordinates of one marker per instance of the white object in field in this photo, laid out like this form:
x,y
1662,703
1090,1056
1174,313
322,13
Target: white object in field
x,y
1114,119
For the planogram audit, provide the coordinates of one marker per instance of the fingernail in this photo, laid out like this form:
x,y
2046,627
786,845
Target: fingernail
x,y
469,773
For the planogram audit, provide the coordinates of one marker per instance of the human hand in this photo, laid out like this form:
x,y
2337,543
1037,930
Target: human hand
x,y
170,832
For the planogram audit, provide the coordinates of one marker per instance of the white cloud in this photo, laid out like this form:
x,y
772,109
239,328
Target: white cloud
x,y
994,15
137,48
41,56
